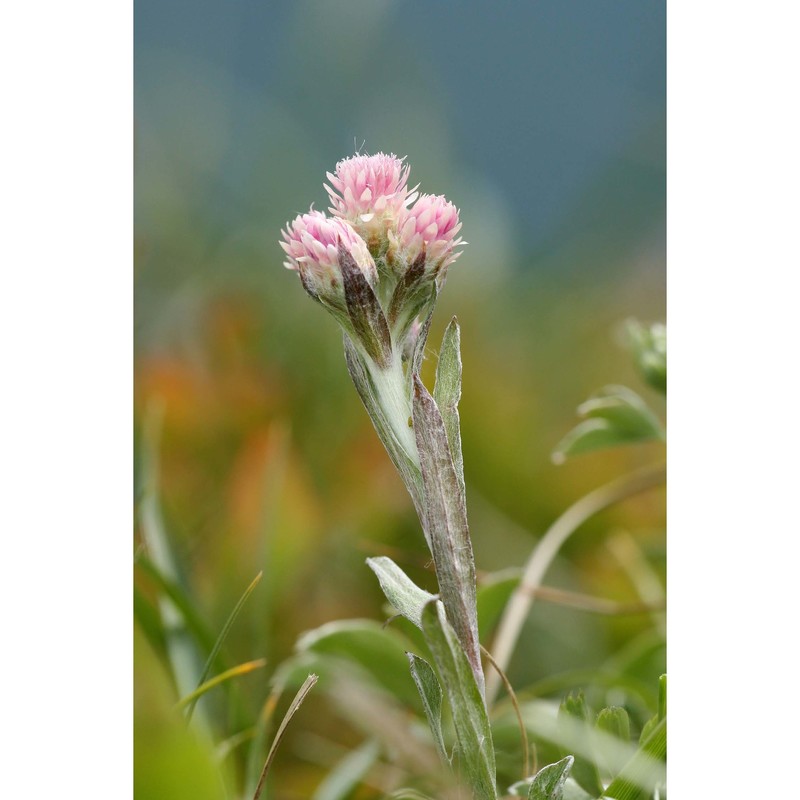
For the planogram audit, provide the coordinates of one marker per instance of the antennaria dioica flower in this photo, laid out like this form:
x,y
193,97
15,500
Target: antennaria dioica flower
x,y
377,265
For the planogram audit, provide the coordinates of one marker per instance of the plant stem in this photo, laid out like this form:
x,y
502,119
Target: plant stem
x,y
519,606
391,385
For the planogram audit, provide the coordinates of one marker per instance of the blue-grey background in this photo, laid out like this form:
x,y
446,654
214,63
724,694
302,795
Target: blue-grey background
x,y
553,112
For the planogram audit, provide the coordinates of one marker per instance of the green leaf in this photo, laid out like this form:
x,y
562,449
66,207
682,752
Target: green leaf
x,y
584,769
661,714
649,345
470,720
431,693
399,589
614,416
378,651
345,777
172,761
447,393
408,794
639,777
445,521
549,781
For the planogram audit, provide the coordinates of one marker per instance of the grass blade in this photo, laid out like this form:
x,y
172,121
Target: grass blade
x,y
220,639
307,686
233,672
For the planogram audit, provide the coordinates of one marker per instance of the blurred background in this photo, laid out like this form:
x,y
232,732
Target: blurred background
x,y
545,123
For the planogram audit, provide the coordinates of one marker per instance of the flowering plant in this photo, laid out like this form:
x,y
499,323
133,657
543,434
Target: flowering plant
x,y
377,264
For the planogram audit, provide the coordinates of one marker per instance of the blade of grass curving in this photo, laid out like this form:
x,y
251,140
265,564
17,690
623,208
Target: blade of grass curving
x,y
399,589
447,393
220,639
233,672
470,720
546,550
259,742
307,686
445,520
430,691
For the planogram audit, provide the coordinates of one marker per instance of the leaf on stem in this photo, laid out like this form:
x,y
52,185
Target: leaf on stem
x,y
445,520
470,720
447,393
615,415
547,784
399,589
430,691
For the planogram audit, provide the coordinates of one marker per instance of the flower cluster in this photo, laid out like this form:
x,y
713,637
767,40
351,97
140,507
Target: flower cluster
x,y
381,257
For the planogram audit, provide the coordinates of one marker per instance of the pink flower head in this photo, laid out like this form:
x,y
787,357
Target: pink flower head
x,y
311,243
368,190
431,223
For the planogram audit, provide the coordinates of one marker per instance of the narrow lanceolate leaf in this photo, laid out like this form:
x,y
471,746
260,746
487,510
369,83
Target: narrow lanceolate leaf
x,y
221,638
447,393
471,723
431,693
287,718
365,386
399,589
549,781
445,521
364,310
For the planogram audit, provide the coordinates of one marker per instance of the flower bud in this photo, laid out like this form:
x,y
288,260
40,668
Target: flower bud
x,y
336,269
430,226
370,192
312,246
